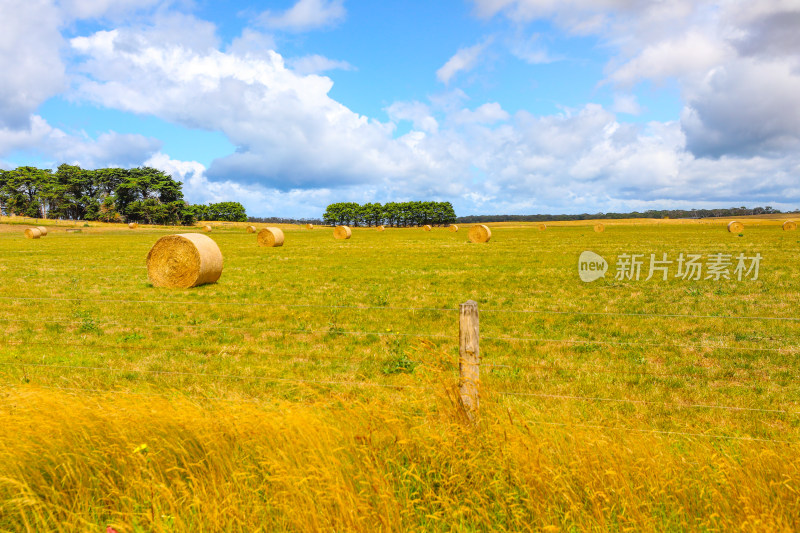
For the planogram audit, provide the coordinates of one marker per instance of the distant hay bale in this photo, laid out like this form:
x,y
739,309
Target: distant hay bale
x,y
453,228
184,260
133,225
735,226
342,232
599,228
309,226
426,227
251,229
206,228
380,228
480,233
789,225
270,237
74,230
33,233
42,230
542,227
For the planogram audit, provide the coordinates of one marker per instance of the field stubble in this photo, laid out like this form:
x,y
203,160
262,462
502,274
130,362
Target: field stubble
x,y
312,387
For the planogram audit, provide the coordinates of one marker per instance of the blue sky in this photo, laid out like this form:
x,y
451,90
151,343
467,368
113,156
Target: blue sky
x,y
499,106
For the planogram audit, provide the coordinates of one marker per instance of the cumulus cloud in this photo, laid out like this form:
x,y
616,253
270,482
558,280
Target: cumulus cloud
x,y
463,61
108,149
30,63
305,15
315,64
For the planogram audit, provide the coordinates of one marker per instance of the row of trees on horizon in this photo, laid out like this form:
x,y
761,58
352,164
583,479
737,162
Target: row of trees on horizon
x,y
145,195
670,213
390,214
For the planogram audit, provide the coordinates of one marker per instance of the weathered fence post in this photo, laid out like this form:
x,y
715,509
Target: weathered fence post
x,y
469,357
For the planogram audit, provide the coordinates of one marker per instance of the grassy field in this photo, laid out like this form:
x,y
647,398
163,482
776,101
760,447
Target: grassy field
x,y
314,386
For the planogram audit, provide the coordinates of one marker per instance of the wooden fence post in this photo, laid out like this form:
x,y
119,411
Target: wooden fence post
x,y
469,357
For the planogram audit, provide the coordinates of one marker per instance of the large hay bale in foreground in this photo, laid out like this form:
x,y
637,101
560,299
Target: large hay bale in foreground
x,y
453,228
251,229
426,227
270,237
42,230
133,225
789,225
735,226
309,226
33,233
380,228
342,232
184,260
480,233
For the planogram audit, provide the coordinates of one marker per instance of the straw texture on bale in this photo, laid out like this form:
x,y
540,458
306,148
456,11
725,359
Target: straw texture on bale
x,y
789,225
599,228
453,228
380,228
542,227
251,229
426,227
309,226
184,260
270,237
342,232
33,233
133,225
735,226
42,230
480,233
206,228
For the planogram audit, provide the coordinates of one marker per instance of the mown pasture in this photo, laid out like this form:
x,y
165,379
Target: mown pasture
x,y
313,387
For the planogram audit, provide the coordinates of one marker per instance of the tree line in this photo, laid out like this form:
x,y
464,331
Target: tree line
x,y
144,194
390,214
653,213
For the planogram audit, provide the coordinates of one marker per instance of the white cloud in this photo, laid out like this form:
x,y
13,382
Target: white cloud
x,y
315,64
305,15
108,149
463,61
626,103
485,114
30,63
417,113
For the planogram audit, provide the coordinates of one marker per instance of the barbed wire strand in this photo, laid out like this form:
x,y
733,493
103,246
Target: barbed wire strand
x,y
392,308
662,432
646,402
218,376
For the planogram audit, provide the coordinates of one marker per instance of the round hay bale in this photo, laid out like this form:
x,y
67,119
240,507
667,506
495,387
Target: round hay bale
x,y
133,225
735,226
33,233
251,229
453,228
42,230
207,228
342,232
542,227
309,226
426,227
184,260
480,233
599,228
380,228
789,225
270,237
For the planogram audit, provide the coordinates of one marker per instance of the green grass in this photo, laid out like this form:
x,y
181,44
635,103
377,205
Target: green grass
x,y
638,369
